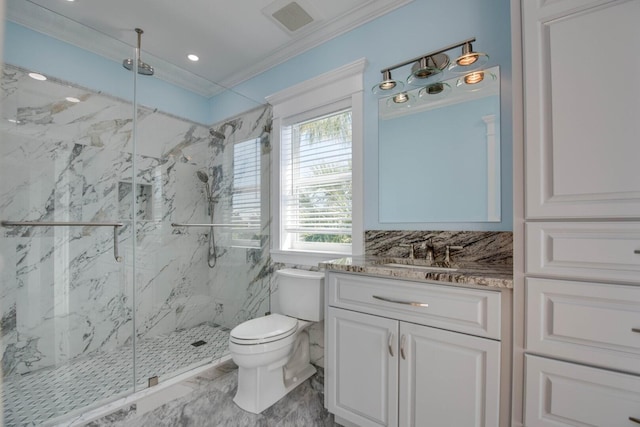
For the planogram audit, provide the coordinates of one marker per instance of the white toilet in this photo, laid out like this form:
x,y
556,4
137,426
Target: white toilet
x,y
272,352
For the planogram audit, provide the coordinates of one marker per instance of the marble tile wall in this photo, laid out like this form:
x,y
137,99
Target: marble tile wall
x,y
61,292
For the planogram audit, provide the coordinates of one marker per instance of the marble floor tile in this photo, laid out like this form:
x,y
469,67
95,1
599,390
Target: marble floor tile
x,y
210,404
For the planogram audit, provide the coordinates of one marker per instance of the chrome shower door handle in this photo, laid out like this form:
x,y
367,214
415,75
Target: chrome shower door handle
x,y
390,344
402,340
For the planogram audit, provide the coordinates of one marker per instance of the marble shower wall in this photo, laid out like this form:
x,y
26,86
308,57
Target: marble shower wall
x,y
62,295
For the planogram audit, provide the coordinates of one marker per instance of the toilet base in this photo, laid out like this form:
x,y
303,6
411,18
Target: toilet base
x,y
259,388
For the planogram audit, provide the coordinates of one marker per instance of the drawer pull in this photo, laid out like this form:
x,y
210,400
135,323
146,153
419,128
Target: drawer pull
x,y
389,344
637,330
398,301
402,347
635,420
637,252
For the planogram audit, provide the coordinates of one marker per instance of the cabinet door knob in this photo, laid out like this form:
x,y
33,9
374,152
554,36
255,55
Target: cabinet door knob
x,y
402,340
635,420
389,344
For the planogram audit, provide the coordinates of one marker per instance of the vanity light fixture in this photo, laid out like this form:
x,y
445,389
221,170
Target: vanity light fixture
x,y
401,100
429,68
475,80
469,60
387,84
434,92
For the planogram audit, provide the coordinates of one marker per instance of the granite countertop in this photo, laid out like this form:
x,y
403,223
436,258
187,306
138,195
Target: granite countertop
x,y
485,275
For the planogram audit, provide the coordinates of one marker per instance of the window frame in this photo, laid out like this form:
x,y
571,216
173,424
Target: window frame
x,y
342,86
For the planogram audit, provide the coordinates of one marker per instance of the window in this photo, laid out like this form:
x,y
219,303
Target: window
x,y
316,183
317,168
245,197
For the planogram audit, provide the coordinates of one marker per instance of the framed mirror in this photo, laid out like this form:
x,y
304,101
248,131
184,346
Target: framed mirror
x,y
439,153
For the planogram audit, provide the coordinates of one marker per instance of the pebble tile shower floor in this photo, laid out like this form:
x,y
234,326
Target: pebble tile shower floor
x,y
34,398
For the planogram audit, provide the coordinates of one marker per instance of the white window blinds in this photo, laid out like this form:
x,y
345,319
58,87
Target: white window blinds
x,y
316,185
245,199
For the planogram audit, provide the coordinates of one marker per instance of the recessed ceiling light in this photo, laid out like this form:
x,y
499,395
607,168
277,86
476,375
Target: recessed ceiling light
x,y
193,57
72,99
37,76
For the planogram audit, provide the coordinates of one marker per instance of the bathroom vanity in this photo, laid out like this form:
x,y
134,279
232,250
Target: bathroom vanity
x,y
409,345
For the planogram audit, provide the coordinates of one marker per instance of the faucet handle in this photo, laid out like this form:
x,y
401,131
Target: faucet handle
x,y
412,249
447,253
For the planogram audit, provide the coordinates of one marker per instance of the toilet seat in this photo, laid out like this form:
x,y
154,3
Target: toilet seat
x,y
263,330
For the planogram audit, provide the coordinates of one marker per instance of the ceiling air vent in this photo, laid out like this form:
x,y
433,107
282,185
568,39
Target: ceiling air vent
x,y
292,16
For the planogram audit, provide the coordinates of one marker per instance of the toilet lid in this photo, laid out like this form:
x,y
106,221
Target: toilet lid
x,y
264,329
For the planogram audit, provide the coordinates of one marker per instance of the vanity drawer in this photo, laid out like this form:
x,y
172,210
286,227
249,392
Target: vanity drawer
x,y
566,394
584,250
472,311
586,322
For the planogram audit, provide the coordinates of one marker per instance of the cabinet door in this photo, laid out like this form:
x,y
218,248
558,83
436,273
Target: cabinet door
x,y
567,394
447,378
362,368
581,108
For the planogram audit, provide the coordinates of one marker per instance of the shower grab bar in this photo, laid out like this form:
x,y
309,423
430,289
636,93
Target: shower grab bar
x,y
115,226
178,224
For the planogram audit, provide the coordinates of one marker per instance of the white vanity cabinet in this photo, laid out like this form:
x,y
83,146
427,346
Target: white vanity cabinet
x,y
387,365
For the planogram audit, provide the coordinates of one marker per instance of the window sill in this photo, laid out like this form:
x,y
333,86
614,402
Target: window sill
x,y
311,259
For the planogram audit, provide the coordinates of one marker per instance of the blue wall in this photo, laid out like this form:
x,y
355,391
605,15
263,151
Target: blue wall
x,y
35,51
417,28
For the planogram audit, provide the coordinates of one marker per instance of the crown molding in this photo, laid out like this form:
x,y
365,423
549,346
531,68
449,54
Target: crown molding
x,y
59,27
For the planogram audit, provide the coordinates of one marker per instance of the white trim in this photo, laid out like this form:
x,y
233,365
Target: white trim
x,y
306,258
344,83
493,170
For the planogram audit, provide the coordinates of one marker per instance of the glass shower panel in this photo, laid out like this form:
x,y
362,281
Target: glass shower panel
x,y
65,300
196,281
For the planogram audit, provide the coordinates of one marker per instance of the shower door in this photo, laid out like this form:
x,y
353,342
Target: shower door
x,y
66,240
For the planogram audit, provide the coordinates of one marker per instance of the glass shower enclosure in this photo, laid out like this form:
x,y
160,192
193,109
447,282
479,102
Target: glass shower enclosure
x,y
112,276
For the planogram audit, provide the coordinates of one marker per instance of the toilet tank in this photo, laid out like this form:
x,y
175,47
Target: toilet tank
x,y
301,294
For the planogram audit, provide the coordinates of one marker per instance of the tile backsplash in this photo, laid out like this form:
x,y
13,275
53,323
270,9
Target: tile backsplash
x,y
479,247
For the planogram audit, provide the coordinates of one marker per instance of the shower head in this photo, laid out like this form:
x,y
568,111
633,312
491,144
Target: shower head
x,y
214,133
202,176
143,68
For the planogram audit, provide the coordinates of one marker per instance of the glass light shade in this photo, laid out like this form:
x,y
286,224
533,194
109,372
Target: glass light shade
x,y
428,69
469,60
475,81
434,92
401,100
387,85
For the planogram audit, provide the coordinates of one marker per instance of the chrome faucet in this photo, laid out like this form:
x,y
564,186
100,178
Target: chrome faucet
x,y
430,251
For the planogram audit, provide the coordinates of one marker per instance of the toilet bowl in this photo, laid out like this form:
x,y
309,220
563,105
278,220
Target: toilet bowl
x,y
272,352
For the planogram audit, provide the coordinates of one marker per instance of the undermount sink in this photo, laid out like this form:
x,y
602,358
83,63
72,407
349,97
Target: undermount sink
x,y
419,267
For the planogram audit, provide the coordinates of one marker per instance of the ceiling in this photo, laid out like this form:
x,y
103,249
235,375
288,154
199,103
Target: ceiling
x,y
235,39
